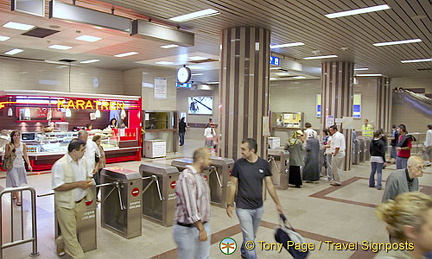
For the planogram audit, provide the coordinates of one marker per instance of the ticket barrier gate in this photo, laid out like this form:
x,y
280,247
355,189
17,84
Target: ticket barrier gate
x,y
158,196
355,152
362,149
121,201
218,176
86,224
367,149
279,160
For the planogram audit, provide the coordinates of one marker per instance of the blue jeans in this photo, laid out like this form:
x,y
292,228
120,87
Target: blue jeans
x,y
181,135
376,168
393,153
401,162
188,244
250,220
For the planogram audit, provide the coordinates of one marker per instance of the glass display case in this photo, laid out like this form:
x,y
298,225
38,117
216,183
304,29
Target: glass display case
x,y
159,120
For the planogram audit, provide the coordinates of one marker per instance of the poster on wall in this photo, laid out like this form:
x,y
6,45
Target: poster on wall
x,y
200,105
330,121
266,126
160,88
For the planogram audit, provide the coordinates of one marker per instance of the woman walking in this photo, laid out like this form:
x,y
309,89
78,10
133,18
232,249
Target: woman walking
x,y
17,175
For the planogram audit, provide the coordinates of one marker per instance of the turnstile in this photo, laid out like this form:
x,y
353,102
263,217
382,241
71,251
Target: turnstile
x,y
367,149
218,176
355,152
86,224
159,197
121,201
278,160
362,149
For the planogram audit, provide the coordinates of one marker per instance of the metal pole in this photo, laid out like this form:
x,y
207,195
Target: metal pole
x,y
34,225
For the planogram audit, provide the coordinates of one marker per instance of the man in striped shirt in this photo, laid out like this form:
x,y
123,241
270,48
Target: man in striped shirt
x,y
192,215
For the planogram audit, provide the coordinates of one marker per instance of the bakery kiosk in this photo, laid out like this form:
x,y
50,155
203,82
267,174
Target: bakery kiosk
x,y
49,120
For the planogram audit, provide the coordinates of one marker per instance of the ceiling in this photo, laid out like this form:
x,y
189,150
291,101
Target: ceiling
x,y
350,38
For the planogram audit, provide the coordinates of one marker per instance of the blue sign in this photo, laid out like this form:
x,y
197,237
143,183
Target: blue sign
x,y
275,61
185,85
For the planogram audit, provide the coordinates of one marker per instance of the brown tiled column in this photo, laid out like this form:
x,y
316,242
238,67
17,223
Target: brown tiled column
x,y
243,88
383,109
337,92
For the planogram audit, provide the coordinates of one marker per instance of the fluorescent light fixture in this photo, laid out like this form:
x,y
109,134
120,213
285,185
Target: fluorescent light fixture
x,y
125,54
169,46
196,67
361,68
368,75
194,15
273,78
274,68
298,77
89,61
396,42
282,74
18,26
287,45
14,51
61,47
213,83
4,38
198,74
417,60
321,57
164,62
88,38
358,11
196,58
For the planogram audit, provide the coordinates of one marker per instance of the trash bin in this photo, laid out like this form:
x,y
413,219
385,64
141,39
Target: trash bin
x,y
121,201
154,148
159,197
278,160
218,178
86,225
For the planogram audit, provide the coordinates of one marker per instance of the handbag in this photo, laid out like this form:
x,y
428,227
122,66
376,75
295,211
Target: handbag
x,y
8,161
97,158
286,234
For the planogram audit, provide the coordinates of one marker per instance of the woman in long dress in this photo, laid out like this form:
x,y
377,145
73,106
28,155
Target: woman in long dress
x,y
17,175
295,148
311,171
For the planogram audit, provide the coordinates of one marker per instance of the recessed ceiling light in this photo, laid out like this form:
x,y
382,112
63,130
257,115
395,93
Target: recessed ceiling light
x,y
361,68
61,47
18,26
358,11
298,77
4,38
287,45
396,42
321,57
194,15
169,46
89,61
14,51
416,60
196,58
368,75
88,38
164,63
125,54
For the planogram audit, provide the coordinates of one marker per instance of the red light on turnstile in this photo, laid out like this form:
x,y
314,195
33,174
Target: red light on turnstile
x,y
135,192
205,177
229,172
88,203
173,184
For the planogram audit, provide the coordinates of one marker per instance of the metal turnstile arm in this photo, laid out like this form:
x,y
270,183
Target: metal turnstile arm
x,y
272,159
122,207
116,186
214,170
154,179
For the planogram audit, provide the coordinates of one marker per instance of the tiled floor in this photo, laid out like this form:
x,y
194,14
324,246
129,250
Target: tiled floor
x,y
319,212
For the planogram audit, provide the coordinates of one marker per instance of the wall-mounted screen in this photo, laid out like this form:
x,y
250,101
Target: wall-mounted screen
x,y
200,105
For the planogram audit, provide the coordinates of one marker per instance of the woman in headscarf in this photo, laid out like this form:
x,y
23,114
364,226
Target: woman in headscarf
x,y
295,147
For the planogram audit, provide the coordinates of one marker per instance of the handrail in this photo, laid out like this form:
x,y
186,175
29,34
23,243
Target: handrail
x,y
33,238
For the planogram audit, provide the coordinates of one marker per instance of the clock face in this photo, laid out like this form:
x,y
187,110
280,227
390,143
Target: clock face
x,y
183,75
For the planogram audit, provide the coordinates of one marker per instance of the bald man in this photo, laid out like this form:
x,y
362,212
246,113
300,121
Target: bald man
x,y
404,180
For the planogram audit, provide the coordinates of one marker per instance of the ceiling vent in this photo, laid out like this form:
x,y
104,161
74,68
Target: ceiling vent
x,y
40,32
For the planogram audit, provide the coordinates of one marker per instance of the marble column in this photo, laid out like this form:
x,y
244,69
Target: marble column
x,y
243,89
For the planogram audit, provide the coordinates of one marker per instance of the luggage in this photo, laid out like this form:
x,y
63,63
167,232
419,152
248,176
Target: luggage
x,y
287,235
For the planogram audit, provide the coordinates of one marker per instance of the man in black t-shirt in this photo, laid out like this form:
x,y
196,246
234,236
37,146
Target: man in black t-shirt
x,y
247,178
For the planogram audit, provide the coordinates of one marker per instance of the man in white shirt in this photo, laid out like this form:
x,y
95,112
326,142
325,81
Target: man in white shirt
x,y
428,146
309,132
337,146
70,181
